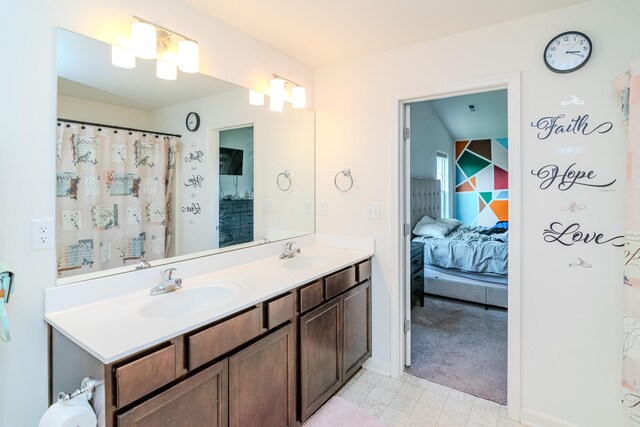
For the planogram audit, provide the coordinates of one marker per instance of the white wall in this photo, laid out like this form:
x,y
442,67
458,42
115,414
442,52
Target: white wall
x,y
428,136
571,318
27,135
98,112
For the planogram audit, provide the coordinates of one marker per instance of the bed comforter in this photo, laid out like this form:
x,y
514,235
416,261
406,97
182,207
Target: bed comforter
x,y
469,249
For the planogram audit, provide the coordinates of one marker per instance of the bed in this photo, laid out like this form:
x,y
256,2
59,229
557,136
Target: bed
x,y
461,262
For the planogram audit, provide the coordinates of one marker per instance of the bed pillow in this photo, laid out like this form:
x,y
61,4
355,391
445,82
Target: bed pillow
x,y
429,228
450,223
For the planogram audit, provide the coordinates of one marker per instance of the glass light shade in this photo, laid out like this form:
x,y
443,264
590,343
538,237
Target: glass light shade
x,y
276,92
188,56
166,70
143,38
256,98
123,58
298,97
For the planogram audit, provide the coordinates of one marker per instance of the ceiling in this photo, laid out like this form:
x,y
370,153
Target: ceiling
x,y
489,121
323,32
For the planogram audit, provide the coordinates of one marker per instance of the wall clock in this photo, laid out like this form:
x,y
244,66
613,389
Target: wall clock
x,y
567,52
193,121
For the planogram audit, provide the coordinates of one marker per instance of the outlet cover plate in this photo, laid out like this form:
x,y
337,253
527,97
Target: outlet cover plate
x,y
42,234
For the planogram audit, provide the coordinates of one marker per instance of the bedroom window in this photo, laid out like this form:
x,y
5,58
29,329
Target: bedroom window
x,y
442,174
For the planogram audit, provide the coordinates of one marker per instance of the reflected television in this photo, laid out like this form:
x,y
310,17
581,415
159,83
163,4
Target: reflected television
x,y
230,161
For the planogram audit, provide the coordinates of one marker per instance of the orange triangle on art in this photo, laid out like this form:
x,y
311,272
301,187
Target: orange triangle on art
x,y
482,204
460,146
465,186
473,182
501,209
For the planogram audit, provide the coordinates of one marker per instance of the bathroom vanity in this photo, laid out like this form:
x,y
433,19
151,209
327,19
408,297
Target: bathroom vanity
x,y
270,356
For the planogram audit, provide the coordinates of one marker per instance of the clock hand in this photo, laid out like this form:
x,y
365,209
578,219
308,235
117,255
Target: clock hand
x,y
577,53
572,51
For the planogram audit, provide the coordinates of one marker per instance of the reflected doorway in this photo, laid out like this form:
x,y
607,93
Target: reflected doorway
x,y
236,186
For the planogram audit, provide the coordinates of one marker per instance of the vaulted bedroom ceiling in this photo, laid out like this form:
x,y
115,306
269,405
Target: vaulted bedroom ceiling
x,y
323,32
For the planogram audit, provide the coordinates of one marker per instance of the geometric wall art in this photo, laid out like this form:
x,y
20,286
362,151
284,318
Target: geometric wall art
x,y
482,181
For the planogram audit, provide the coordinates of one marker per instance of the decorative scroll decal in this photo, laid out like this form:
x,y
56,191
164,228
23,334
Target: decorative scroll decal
x,y
580,263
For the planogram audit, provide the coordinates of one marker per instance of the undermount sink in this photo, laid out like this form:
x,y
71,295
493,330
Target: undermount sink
x,y
303,262
187,300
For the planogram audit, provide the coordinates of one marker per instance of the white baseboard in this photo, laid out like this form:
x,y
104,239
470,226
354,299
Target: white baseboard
x,y
376,366
536,419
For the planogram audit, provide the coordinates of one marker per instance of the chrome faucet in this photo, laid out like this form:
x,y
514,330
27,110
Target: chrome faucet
x,y
142,265
289,251
168,283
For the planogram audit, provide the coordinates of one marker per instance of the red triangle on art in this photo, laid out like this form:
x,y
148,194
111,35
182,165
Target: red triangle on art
x,y
500,178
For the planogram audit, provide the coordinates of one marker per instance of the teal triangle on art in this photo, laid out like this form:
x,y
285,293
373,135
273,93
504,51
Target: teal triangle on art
x,y
486,196
471,164
460,177
504,142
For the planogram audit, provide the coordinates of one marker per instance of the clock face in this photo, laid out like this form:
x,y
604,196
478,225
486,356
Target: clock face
x,y
193,121
567,52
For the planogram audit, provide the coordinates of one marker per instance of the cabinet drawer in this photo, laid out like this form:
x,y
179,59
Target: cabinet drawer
x,y
416,263
364,271
340,282
279,311
219,339
311,295
140,377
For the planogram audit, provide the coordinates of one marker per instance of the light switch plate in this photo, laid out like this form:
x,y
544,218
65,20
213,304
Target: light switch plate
x,y
373,210
42,234
323,208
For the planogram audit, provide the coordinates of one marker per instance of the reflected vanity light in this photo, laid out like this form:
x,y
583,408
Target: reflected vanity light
x,y
166,70
256,98
188,56
123,58
278,93
143,37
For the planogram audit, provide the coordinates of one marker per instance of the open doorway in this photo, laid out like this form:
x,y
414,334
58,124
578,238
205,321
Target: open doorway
x,y
465,162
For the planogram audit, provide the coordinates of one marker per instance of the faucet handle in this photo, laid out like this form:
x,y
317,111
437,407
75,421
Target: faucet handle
x,y
166,274
288,246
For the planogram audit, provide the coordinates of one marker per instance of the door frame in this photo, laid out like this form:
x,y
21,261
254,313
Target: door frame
x,y
400,181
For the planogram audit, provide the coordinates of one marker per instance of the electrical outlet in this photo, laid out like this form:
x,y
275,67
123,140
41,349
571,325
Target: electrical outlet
x,y
323,208
42,234
268,205
373,210
307,207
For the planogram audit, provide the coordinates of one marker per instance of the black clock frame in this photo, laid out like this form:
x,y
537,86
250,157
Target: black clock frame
x,y
544,52
197,121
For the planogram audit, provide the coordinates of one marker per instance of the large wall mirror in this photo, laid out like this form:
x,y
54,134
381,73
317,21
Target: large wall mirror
x,y
136,186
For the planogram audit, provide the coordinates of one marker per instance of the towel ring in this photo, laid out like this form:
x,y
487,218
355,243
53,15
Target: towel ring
x,y
346,172
287,184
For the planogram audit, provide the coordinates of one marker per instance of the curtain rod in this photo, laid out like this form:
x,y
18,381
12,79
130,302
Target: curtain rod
x,y
118,127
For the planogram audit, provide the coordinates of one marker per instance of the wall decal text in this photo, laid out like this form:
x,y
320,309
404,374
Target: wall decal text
x,y
571,234
554,125
565,179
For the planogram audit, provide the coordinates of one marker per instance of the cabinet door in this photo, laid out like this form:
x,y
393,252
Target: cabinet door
x,y
356,328
198,401
320,355
262,382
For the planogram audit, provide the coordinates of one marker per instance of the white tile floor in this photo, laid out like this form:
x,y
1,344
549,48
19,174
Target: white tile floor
x,y
412,401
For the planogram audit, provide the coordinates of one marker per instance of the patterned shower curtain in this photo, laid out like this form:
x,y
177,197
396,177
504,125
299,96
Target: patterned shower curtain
x,y
628,86
114,194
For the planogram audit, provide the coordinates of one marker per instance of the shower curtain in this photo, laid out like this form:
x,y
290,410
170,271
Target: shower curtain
x,y
628,86
114,193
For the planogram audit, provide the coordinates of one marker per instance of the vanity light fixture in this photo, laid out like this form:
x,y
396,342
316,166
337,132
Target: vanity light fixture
x,y
143,37
276,92
188,56
123,58
256,98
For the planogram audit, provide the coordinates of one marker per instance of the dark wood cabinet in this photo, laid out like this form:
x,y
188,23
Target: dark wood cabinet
x,y
198,401
262,382
320,355
356,328
335,340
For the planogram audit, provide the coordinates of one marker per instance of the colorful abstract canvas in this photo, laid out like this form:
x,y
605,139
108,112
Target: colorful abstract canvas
x,y
482,181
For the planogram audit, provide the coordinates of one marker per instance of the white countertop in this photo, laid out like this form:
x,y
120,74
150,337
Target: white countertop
x,y
113,328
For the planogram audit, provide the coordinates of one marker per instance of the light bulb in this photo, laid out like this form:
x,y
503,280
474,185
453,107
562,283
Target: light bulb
x,y
123,58
188,56
256,98
143,37
299,97
166,70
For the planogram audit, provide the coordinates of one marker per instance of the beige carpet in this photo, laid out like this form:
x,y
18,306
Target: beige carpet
x,y
337,412
461,346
